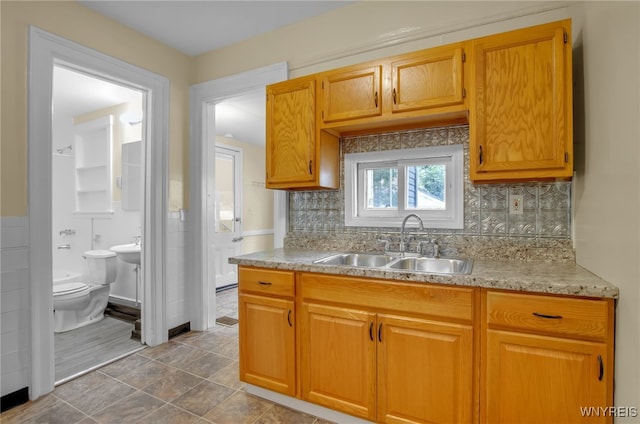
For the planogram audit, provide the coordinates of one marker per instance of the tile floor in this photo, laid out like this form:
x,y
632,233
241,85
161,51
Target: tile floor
x,y
191,379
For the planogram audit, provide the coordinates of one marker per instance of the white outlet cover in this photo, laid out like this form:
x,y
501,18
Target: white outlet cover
x,y
516,204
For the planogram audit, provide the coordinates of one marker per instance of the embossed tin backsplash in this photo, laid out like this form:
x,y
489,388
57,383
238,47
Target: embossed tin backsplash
x,y
546,213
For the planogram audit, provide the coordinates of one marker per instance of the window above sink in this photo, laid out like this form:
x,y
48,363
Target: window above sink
x,y
381,188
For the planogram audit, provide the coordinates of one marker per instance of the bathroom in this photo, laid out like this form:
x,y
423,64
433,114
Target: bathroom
x,y
96,204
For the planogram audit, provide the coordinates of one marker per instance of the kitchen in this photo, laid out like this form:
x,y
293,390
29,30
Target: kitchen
x,y
600,167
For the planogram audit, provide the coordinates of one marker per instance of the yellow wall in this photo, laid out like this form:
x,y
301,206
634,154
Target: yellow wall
x,y
77,23
368,30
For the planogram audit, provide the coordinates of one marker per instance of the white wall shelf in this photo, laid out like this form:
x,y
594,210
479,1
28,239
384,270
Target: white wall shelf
x,y
93,165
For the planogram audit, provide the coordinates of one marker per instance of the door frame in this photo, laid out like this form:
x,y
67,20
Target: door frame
x,y
203,98
45,51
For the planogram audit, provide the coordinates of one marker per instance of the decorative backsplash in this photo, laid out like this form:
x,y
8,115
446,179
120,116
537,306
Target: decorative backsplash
x,y
546,214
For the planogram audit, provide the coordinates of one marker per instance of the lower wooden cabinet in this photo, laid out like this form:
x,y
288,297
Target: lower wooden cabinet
x,y
425,371
400,352
266,329
338,358
378,363
547,358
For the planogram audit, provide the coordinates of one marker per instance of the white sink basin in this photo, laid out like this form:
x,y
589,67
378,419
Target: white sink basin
x,y
128,252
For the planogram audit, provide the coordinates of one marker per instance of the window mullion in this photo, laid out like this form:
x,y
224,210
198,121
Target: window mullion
x,y
402,189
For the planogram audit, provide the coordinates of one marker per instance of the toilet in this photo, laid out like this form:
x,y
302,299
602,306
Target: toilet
x,y
78,303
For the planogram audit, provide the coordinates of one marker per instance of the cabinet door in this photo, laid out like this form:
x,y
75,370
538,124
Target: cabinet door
x,y
267,342
424,371
540,379
427,80
521,106
352,94
338,359
291,132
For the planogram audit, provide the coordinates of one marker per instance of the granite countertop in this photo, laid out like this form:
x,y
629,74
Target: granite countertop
x,y
562,278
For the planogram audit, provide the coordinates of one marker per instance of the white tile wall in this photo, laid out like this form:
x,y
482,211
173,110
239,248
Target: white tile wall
x,y
14,304
177,290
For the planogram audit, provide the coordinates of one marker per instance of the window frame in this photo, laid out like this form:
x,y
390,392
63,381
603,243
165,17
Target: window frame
x,y
357,215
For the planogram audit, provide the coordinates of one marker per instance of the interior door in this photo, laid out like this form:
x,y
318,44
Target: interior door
x,y
227,220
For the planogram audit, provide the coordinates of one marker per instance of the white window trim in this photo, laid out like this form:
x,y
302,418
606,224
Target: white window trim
x,y
452,218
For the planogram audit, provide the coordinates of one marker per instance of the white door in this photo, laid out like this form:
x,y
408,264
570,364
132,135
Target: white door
x,y
227,220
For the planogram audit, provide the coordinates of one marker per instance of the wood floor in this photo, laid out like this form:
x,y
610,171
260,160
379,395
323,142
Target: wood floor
x,y
87,347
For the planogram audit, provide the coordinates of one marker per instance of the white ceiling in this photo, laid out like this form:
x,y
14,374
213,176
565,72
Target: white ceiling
x,y
196,27
192,27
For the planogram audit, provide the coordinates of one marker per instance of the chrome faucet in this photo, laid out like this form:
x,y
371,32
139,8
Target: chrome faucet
x,y
403,243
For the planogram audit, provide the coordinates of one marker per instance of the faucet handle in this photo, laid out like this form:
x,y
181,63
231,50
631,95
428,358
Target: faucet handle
x,y
136,239
436,248
385,243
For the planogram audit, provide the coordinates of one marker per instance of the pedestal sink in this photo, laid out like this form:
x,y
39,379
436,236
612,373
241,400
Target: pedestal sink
x,y
129,253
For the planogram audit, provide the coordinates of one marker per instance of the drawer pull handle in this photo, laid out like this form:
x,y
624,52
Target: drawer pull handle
x,y
375,99
601,368
371,331
394,97
547,316
264,283
380,333
289,318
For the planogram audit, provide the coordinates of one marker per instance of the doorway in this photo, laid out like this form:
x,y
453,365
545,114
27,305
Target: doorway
x,y
96,179
204,98
46,51
226,237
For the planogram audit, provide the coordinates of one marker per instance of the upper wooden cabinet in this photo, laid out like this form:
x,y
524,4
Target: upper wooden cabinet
x,y
298,155
521,104
428,79
408,90
352,94
519,107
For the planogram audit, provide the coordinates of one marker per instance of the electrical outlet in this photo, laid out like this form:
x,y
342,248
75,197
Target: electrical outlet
x,y
515,204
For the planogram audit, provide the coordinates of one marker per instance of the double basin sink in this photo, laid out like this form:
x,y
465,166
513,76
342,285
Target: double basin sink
x,y
452,266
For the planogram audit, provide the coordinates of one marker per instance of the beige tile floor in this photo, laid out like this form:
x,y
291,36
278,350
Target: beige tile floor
x,y
191,379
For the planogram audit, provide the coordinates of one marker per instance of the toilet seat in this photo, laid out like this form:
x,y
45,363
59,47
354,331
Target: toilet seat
x,y
69,288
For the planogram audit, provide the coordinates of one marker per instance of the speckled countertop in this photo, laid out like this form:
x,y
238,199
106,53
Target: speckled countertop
x,y
562,278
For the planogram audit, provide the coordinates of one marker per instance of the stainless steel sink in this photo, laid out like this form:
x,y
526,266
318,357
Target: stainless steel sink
x,y
433,265
370,260
412,264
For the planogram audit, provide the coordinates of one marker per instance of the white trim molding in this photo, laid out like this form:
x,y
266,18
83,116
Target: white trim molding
x,y
254,233
45,51
203,98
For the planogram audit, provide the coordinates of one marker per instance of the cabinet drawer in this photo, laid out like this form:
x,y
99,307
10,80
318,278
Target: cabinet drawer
x,y
584,318
266,281
385,295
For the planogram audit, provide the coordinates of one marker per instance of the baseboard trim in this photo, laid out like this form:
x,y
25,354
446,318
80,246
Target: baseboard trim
x,y
180,329
14,399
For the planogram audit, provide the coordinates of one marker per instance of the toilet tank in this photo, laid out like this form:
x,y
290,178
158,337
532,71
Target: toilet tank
x,y
103,266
